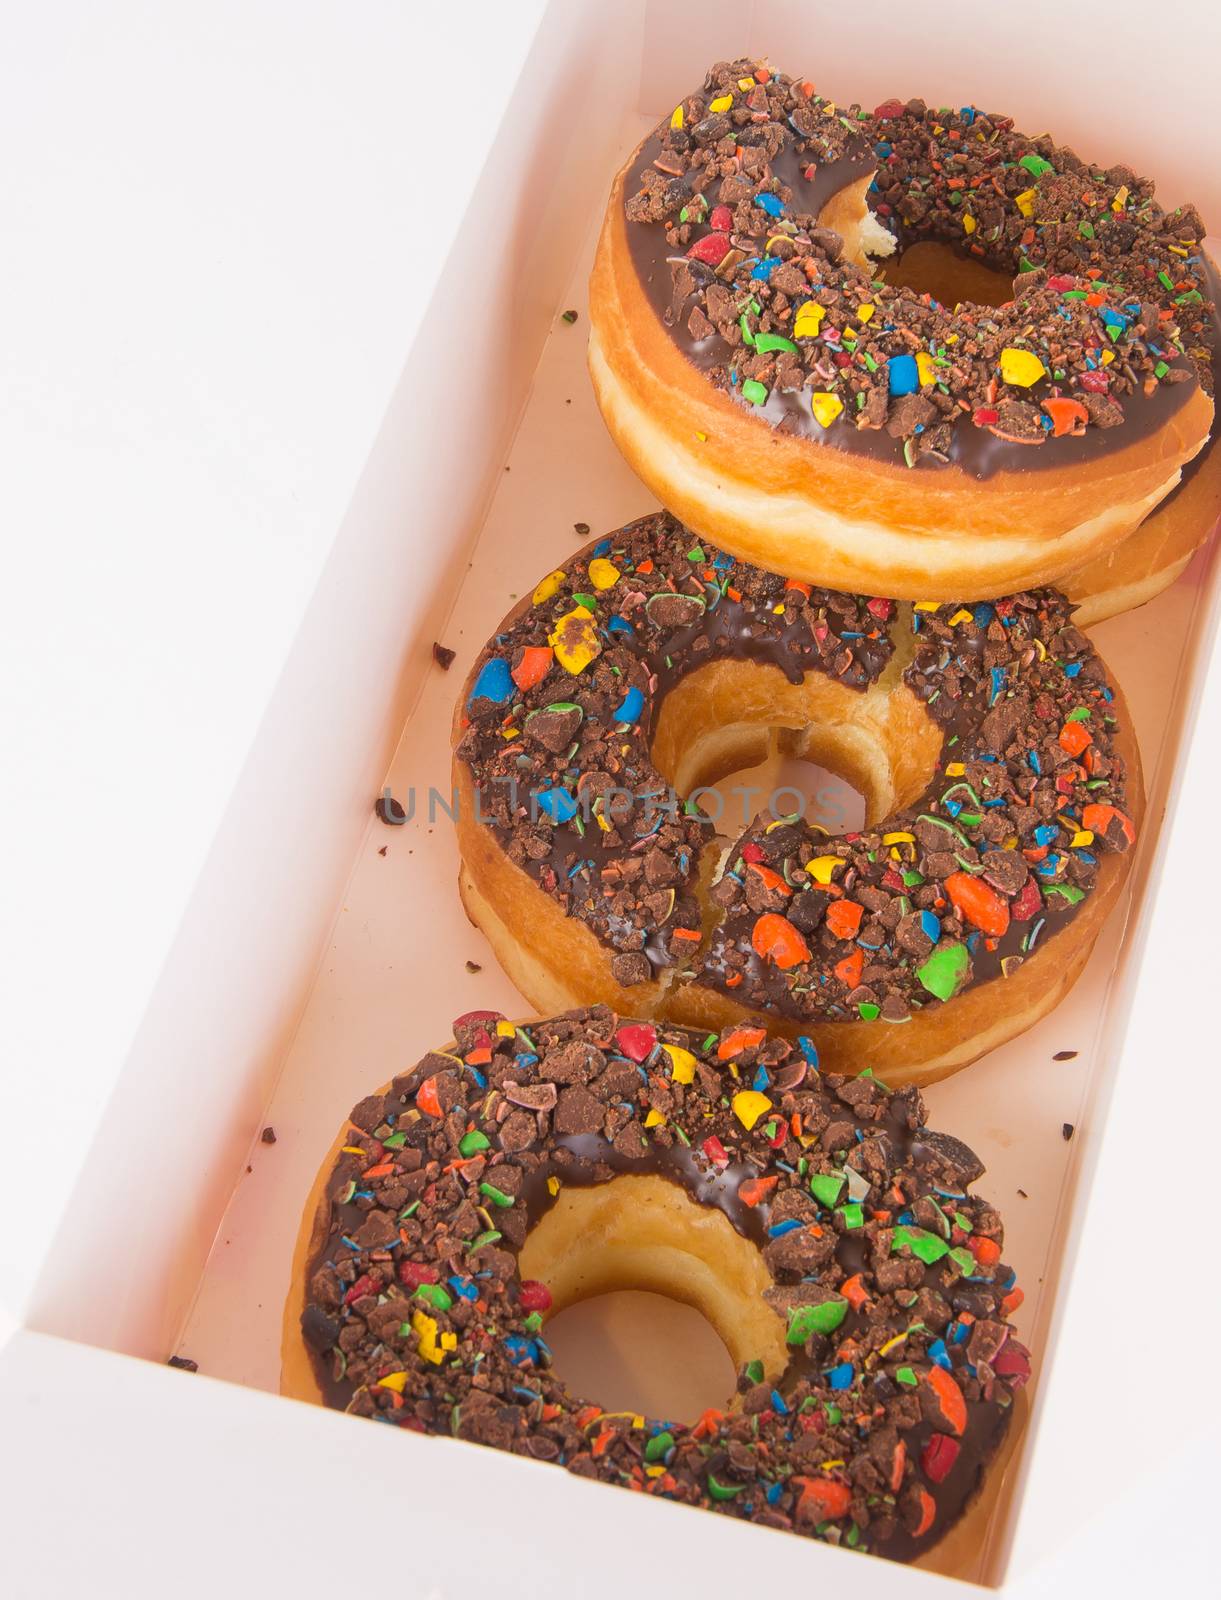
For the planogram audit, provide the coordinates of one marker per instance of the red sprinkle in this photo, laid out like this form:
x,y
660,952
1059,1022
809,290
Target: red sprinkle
x,y
365,1284
715,1151
721,220
938,1456
712,249
414,1273
535,1296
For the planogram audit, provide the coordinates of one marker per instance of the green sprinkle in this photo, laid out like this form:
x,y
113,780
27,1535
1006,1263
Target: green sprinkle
x,y
436,1296
497,1196
834,1415
753,391
658,1446
696,553
963,1260
822,1318
907,1376
1067,891
409,1211
533,1322
1035,165
945,971
723,1491
490,1237
472,1143
826,1187
1086,230
765,343
927,1246
868,1011
754,1371
395,1141
853,1215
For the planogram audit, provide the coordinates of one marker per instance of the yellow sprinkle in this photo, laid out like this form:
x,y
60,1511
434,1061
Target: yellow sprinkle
x,y
449,1341
1121,198
926,368
1021,367
891,1344
1025,202
702,437
548,586
655,1471
1083,836
575,640
1041,648
746,84
676,119
553,1186
826,1466
829,109
352,1150
425,1328
778,611
505,1030
1176,250
955,769
749,1105
721,103
654,1119
821,867
826,407
898,838
960,616
393,1380
1107,357
603,574
865,312
968,222
808,320
927,605
602,822
682,1063
509,733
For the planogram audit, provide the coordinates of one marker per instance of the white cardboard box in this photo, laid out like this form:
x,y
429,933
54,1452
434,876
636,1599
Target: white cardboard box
x,y
251,472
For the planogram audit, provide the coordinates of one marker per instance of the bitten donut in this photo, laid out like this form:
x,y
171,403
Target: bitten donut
x,y
1000,774
826,1233
814,418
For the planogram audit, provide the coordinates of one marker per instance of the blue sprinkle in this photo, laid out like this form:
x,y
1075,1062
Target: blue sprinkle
x,y
619,625
1035,764
1045,833
778,1403
952,806
1071,669
463,1287
558,804
905,1219
761,1080
930,926
806,1046
494,683
903,375
525,1059
764,269
722,562
841,1377
1113,319
998,683
602,548
478,1076
959,1332
940,1354
779,1229
774,1492
633,705
982,615
522,1352
770,203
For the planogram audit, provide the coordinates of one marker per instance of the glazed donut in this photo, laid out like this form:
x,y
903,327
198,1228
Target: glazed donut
x,y
1001,780
828,1236
810,417
1151,558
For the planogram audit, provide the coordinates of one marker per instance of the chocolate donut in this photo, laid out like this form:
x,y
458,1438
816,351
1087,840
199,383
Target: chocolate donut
x,y
824,1230
787,401
1000,774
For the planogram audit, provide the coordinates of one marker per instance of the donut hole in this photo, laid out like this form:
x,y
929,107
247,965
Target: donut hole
x,y
931,267
782,783
642,1352
646,1234
741,722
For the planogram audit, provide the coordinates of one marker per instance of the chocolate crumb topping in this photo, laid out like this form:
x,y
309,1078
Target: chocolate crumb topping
x,y
886,1270
959,887
1112,325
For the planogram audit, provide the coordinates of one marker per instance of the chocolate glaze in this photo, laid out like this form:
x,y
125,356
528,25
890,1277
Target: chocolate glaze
x,y
905,1165
975,451
750,615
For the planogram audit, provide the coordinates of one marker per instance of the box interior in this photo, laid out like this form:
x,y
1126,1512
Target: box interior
x,y
357,959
